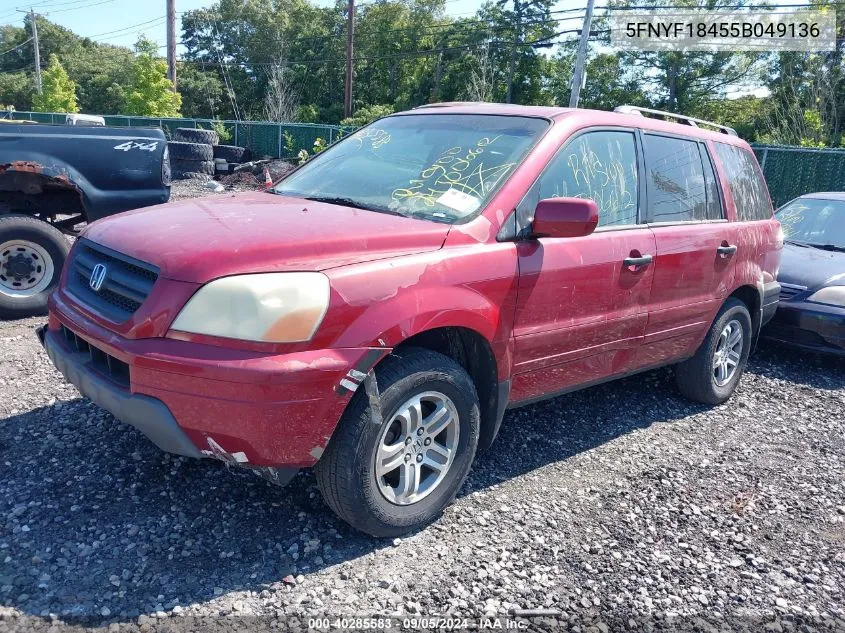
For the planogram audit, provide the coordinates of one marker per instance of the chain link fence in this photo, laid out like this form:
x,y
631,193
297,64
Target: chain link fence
x,y
794,171
265,139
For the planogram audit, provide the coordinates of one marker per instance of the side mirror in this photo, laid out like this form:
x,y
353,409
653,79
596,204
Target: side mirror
x,y
565,217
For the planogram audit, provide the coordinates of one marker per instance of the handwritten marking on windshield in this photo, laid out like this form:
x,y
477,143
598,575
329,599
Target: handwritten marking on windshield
x,y
456,169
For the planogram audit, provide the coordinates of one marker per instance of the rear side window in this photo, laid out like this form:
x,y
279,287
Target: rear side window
x,y
678,190
600,165
746,183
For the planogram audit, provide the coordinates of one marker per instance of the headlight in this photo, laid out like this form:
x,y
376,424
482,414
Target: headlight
x,y
269,307
832,295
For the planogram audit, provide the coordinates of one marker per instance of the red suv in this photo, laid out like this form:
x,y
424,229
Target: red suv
x,y
375,312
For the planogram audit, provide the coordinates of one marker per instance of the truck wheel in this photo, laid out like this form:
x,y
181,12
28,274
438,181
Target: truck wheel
x,y
230,153
196,135
712,375
190,151
394,473
32,254
192,166
191,175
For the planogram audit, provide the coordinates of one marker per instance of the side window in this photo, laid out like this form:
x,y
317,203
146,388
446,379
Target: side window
x,y
714,201
745,182
599,165
675,181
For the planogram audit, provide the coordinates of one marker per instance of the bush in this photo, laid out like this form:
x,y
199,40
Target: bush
x,y
368,114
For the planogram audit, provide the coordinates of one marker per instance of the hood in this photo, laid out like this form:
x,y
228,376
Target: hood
x,y
810,267
201,239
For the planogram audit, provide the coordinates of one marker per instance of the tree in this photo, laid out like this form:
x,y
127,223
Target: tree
x,y
480,86
608,84
202,92
150,92
16,90
58,90
280,100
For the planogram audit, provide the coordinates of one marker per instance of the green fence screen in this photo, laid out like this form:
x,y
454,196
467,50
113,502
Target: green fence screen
x,y
794,171
265,139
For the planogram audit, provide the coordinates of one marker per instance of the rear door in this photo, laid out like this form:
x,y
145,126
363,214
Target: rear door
x,y
696,246
581,310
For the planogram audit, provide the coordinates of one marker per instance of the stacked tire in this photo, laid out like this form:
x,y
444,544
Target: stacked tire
x,y
194,150
192,153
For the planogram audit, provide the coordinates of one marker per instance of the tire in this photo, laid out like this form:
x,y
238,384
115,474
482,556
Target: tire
x,y
31,247
346,472
190,151
191,175
196,135
698,378
196,166
230,153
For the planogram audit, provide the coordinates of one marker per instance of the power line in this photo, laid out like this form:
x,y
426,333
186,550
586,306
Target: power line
x,y
16,47
125,28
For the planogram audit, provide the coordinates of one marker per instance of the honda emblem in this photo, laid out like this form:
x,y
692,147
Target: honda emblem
x,y
98,276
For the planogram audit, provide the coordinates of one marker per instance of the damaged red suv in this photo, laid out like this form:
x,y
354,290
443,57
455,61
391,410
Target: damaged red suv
x,y
375,313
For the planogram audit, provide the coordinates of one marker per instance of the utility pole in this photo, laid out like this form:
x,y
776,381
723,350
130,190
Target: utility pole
x,y
581,60
171,42
350,34
34,23
517,5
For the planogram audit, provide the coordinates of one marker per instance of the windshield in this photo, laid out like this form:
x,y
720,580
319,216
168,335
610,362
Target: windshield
x,y
441,167
814,222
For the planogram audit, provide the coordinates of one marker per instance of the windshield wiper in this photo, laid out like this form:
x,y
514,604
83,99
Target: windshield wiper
x,y
826,247
349,202
797,243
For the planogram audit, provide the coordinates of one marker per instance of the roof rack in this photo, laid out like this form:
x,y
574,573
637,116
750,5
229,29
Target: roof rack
x,y
680,118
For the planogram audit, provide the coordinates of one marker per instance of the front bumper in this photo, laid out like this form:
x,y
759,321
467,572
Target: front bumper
x,y
148,415
252,408
811,326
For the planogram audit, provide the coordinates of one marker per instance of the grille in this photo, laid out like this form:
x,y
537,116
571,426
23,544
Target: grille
x,y
127,281
105,364
788,291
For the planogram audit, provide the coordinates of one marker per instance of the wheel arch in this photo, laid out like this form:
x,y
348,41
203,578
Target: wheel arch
x,y
751,296
31,187
474,352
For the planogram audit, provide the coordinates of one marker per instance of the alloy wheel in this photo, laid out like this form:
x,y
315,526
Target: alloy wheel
x,y
727,354
416,448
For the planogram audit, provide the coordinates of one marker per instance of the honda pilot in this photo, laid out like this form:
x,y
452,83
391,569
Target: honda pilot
x,y
374,314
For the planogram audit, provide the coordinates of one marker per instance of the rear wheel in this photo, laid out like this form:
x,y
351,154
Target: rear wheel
x,y
32,254
398,475
712,375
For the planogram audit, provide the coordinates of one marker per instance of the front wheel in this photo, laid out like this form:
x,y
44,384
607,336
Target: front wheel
x,y
32,254
392,475
712,375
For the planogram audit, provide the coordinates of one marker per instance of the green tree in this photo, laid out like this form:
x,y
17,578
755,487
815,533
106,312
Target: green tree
x,y
202,92
16,90
58,93
150,92
609,83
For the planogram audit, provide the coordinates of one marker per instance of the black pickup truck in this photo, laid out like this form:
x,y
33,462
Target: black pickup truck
x,y
55,177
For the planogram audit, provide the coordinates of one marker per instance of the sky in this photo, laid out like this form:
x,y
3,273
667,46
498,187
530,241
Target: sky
x,y
112,21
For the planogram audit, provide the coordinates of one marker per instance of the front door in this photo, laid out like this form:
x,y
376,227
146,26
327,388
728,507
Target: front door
x,y
582,303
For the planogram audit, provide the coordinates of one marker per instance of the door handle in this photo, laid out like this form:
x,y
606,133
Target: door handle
x,y
643,260
726,249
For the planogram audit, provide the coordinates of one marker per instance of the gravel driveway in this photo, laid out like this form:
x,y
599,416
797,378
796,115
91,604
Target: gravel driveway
x,y
614,508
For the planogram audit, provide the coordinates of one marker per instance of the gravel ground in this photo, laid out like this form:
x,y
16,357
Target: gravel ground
x,y
622,507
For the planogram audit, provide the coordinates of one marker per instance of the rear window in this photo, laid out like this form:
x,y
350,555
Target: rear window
x,y
746,183
679,186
